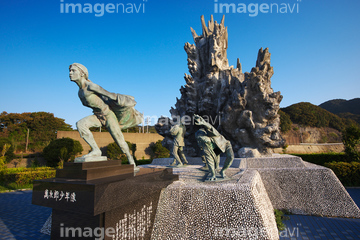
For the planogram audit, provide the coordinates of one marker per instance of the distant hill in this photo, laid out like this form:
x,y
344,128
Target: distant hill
x,y
349,109
307,114
342,106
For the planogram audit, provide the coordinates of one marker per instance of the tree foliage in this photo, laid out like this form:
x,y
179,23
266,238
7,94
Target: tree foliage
x,y
115,153
285,122
159,151
42,127
62,149
351,138
9,153
349,109
307,114
342,106
347,115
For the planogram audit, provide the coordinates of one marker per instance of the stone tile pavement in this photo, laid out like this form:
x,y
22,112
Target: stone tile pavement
x,y
19,219
312,227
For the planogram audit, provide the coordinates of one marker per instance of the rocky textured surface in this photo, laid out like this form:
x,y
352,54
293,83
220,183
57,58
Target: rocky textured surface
x,y
292,184
235,209
243,107
303,188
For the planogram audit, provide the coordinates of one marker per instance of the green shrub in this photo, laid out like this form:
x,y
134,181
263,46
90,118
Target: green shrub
x,y
29,177
143,161
351,138
333,135
280,217
159,151
322,158
61,149
2,156
115,153
348,173
2,163
9,153
285,122
14,178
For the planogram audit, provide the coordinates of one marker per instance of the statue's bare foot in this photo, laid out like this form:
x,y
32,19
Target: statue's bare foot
x,y
204,168
212,178
222,174
93,153
180,165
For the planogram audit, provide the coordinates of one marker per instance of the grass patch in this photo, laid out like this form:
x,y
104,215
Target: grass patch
x,y
280,218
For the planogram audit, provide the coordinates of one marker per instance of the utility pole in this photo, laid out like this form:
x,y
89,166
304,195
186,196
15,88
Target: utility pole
x,y
143,124
147,125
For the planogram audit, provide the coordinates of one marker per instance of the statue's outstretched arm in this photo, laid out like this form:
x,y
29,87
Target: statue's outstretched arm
x,y
99,90
209,128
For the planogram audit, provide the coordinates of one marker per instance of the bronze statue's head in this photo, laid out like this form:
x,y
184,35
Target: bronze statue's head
x,y
81,68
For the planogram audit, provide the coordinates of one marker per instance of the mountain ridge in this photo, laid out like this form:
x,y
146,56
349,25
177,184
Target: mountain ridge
x,y
338,106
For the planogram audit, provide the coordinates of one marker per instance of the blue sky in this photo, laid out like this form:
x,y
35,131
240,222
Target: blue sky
x,y
314,51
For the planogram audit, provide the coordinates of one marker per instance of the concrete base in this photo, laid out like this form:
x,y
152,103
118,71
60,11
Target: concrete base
x,y
302,187
242,207
296,185
90,159
235,209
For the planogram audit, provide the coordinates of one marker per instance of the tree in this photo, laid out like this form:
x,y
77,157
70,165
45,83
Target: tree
x,y
5,148
159,151
307,114
115,153
61,149
9,153
351,138
42,126
285,121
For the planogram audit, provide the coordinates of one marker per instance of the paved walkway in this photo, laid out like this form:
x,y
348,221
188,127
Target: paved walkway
x,y
19,219
310,227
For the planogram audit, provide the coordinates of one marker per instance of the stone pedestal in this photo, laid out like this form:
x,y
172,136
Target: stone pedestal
x,y
303,188
90,159
91,200
238,208
241,207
